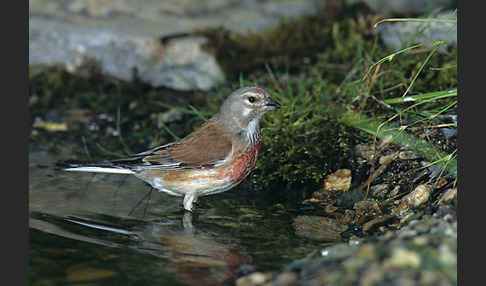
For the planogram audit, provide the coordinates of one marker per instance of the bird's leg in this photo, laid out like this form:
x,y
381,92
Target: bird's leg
x,y
189,199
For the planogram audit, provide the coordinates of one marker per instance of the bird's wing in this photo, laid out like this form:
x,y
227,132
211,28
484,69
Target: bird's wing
x,y
206,146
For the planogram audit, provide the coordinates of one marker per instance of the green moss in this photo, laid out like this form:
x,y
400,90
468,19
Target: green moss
x,y
55,91
317,65
292,44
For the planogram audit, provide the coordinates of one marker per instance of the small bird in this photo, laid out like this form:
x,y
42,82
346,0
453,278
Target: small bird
x,y
210,160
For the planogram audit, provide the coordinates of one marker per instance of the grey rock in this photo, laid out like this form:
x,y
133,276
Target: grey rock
x,y
403,34
448,132
125,35
407,7
180,64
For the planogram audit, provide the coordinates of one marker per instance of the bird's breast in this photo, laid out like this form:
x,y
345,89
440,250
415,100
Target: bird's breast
x,y
243,162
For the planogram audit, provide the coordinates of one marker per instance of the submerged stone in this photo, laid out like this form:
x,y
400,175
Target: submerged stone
x,y
338,181
366,210
448,196
318,228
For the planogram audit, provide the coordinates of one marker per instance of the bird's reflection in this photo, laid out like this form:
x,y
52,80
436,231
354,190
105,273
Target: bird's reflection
x,y
135,217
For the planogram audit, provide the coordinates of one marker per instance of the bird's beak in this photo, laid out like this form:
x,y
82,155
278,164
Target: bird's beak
x,y
271,103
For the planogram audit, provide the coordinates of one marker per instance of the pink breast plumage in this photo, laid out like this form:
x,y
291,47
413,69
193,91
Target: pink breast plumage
x,y
244,163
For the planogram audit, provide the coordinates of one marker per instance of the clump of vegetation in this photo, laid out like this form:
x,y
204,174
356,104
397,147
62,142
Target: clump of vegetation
x,y
294,43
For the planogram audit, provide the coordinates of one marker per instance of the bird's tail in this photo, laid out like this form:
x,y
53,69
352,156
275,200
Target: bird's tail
x,y
104,167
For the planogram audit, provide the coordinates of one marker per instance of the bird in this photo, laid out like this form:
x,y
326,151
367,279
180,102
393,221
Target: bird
x,y
210,160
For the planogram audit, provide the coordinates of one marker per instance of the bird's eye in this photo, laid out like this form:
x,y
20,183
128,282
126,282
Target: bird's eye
x,y
251,99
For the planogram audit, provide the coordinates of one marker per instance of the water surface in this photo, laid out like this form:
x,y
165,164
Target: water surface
x,y
107,229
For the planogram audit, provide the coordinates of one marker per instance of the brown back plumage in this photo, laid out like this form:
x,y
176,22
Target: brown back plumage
x,y
204,146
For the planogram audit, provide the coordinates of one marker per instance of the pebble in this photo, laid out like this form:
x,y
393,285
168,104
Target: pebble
x,y
407,155
168,117
416,198
448,196
256,278
366,209
387,159
395,191
379,190
367,152
286,278
402,257
448,132
338,181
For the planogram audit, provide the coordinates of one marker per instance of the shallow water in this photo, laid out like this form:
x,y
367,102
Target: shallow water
x,y
110,229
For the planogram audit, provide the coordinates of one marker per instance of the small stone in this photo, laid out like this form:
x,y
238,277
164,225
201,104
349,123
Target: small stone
x,y
407,155
168,117
330,209
387,159
286,278
80,115
366,152
442,182
418,196
448,196
371,276
402,257
338,181
132,105
110,131
407,216
365,210
420,240
348,217
368,251
446,255
448,132
318,228
394,192
378,221
254,279
379,190
33,100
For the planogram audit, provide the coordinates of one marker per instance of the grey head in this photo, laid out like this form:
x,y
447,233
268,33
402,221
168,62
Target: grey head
x,y
241,112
